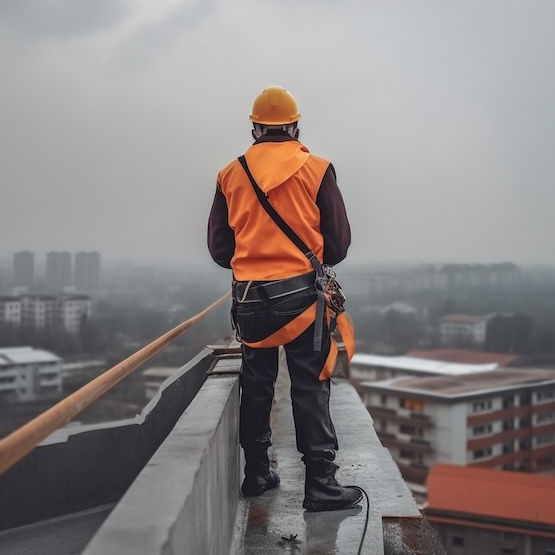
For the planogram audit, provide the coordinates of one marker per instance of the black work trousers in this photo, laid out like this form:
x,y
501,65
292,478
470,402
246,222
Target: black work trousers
x,y
315,434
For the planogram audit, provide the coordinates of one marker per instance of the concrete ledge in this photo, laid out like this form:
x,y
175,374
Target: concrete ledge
x,y
276,523
80,467
185,499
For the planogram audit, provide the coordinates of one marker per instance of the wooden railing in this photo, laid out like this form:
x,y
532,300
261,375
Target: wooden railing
x,y
20,442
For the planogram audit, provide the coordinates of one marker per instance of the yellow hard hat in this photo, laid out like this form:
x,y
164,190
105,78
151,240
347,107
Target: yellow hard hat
x,y
275,106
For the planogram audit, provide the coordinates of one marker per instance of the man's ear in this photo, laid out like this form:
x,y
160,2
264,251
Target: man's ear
x,y
296,134
254,134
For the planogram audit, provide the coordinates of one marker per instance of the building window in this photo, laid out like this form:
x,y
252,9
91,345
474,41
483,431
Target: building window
x,y
481,430
507,537
457,540
480,406
481,453
544,462
383,400
411,404
507,549
404,454
524,422
545,417
411,430
524,444
545,438
548,394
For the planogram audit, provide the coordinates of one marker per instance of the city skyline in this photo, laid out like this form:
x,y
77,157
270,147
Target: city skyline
x,y
437,117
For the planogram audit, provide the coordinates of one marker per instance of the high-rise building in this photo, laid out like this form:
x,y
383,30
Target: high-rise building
x,y
58,271
24,269
87,271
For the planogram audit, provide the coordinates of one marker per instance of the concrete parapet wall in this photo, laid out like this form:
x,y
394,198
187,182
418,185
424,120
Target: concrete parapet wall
x,y
80,467
185,499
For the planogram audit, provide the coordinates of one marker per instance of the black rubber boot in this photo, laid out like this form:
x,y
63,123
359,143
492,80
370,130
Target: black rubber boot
x,y
323,492
259,477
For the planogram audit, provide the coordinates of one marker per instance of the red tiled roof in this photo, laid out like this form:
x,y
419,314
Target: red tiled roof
x,y
464,318
492,493
463,356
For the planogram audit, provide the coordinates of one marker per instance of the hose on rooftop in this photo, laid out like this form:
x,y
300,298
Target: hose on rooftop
x,y
23,440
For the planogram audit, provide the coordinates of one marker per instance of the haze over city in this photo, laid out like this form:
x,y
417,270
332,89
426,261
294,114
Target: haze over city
x,y
438,117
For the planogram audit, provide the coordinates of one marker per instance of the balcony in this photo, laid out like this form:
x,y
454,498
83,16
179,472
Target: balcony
x,y
168,481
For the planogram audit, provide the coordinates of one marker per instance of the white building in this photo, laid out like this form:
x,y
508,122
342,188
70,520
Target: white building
x,y
463,330
71,311
65,312
10,310
38,310
502,419
27,374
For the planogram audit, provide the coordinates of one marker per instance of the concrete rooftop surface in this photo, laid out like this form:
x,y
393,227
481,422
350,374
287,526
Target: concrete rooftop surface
x,y
276,523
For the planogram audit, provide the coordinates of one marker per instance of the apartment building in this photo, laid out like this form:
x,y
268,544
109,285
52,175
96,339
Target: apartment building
x,y
10,311
24,269
463,330
427,277
58,271
502,419
38,311
27,374
71,311
65,312
87,271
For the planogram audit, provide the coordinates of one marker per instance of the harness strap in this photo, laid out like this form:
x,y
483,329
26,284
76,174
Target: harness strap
x,y
300,244
299,324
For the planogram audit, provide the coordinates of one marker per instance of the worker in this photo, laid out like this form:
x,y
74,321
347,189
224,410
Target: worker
x,y
276,295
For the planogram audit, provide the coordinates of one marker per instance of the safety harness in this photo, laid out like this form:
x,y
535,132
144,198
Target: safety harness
x,y
329,303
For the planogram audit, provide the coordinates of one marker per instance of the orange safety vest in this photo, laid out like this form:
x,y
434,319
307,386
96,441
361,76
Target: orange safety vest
x,y
290,176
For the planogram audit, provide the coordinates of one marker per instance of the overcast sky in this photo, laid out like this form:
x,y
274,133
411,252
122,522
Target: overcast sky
x,y
439,117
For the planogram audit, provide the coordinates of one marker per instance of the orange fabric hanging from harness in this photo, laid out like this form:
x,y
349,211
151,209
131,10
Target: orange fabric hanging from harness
x,y
299,324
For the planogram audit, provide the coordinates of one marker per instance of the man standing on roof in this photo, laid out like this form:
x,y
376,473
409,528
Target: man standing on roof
x,y
275,292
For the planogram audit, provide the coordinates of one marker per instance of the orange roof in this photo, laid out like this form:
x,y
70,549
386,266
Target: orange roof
x,y
463,318
492,493
463,356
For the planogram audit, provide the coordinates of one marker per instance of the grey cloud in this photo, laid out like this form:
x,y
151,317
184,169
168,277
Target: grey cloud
x,y
150,40
60,18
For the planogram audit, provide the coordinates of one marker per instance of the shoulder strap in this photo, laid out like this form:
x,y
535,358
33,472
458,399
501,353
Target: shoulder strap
x,y
280,222
300,244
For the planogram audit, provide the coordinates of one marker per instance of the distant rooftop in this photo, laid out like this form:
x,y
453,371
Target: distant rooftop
x,y
416,364
464,356
483,492
464,318
452,386
25,355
